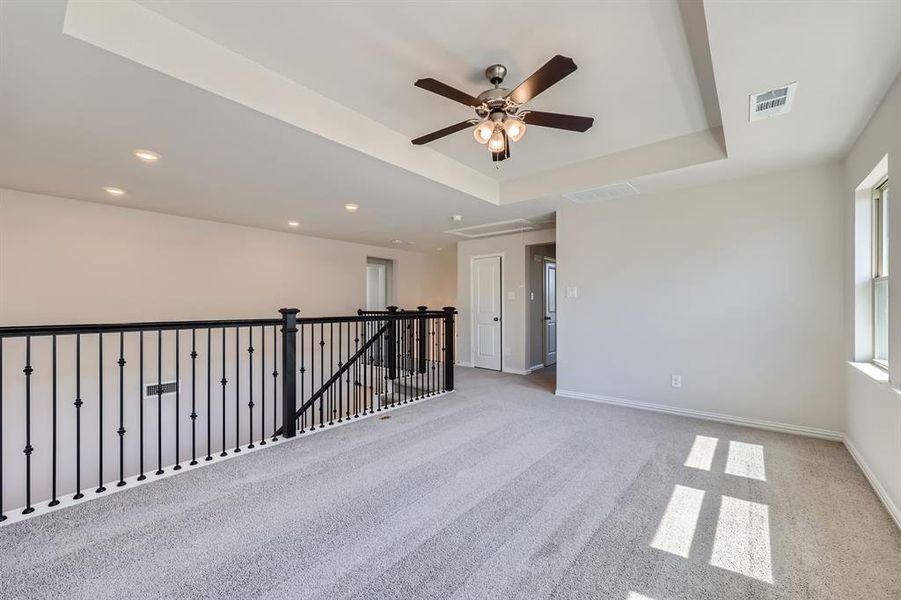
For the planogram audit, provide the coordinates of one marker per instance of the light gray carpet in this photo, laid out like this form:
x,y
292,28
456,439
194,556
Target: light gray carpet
x,y
500,490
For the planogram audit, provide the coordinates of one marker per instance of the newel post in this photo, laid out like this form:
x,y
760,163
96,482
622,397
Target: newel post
x,y
449,312
289,371
421,343
391,356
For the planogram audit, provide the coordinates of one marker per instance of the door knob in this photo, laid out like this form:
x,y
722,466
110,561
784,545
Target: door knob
x,y
496,319
547,318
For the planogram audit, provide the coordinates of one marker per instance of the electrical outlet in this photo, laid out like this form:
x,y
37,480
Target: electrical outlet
x,y
676,381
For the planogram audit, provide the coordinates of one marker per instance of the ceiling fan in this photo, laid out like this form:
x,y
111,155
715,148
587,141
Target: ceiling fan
x,y
499,110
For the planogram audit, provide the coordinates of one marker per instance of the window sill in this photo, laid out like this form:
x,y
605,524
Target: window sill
x,y
871,370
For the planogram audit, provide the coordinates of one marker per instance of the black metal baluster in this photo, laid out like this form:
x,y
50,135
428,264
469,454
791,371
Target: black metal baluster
x,y
209,394
250,385
331,388
121,430
177,466
159,402
347,392
357,370
274,383
2,516
141,476
263,386
78,404
100,487
28,370
339,382
193,397
223,381
237,389
321,373
54,500
434,345
303,414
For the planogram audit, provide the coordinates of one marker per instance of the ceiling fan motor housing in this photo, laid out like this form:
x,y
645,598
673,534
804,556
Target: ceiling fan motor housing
x,y
496,74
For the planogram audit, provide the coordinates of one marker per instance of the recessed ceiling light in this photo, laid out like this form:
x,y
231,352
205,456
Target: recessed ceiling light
x,y
147,156
439,249
397,241
293,224
114,191
457,217
351,208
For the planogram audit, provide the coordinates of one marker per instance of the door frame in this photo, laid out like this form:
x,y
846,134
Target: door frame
x,y
544,262
472,303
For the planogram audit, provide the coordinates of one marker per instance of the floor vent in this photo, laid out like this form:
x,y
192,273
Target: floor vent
x,y
771,103
160,389
607,192
489,229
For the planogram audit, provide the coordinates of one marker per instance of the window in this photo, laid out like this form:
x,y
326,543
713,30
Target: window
x,y
880,273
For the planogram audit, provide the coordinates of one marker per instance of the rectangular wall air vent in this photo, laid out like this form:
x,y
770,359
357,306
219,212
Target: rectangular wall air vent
x,y
614,190
156,389
489,229
771,102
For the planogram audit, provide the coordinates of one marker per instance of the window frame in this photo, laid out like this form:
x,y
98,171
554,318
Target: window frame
x,y
879,258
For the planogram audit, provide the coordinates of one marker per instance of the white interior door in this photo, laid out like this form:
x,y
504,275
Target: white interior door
x,y
550,312
486,312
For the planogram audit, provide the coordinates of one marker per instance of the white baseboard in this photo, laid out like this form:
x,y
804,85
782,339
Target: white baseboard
x,y
874,482
464,364
516,371
707,416
534,368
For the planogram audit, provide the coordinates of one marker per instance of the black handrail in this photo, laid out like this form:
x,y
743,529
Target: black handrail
x,y
42,330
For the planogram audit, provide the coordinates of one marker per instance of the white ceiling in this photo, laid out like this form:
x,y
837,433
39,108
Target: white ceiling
x,y
635,75
71,112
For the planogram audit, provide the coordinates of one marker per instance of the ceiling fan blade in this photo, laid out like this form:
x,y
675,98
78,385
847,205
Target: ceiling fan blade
x,y
558,121
431,137
442,89
553,71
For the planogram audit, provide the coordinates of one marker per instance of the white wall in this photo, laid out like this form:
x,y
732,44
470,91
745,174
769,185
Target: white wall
x,y
515,319
874,408
736,286
65,261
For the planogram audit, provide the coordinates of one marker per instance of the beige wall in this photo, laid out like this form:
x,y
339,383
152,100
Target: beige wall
x,y
735,286
65,261
515,319
873,412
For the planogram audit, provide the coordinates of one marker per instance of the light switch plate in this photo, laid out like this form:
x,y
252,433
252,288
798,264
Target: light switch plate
x,y
572,292
676,381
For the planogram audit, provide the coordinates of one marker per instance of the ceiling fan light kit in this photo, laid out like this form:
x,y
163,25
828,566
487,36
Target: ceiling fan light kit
x,y
501,119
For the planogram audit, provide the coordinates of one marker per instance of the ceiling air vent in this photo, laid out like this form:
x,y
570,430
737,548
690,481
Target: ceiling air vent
x,y
607,192
772,102
489,229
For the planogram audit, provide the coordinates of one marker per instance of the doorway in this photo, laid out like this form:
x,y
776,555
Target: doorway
x,y
487,311
541,332
549,343
379,283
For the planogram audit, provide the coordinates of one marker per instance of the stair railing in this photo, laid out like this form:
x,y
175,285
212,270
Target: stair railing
x,y
125,403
